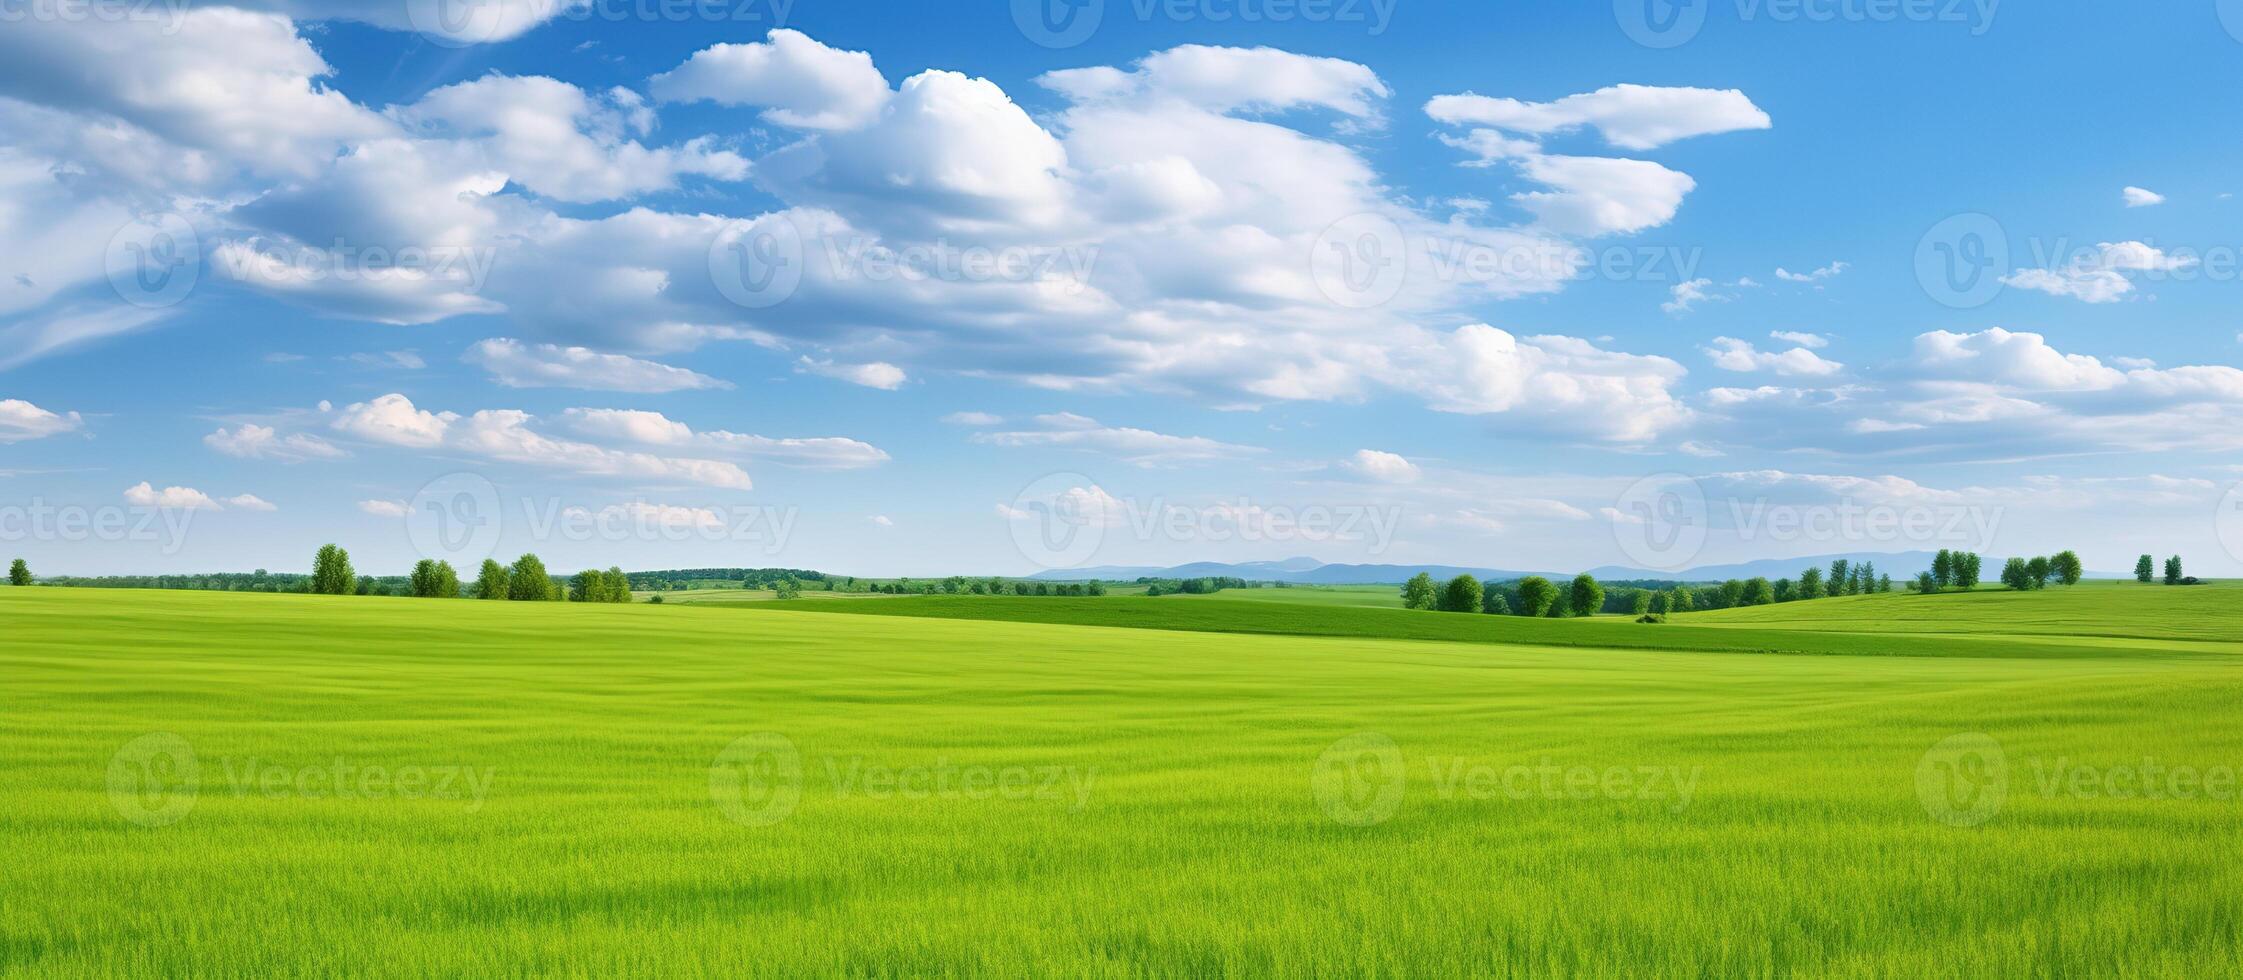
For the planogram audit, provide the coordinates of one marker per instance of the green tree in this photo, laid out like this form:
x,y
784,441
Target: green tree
x,y
2068,570
1942,568
1662,603
1586,597
1966,570
1419,592
1810,584
1732,594
19,574
1640,602
2173,570
1884,583
1462,594
1684,599
1536,596
1785,591
491,582
331,572
2145,569
1841,576
1493,603
528,581
2039,569
1758,593
426,582
2015,575
586,586
1927,583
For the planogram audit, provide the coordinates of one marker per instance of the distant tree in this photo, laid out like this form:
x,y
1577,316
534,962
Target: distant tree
x,y
1685,599
1662,603
655,598
1966,570
432,579
788,588
1884,583
1942,568
491,583
1462,594
2173,570
1493,603
368,585
1640,602
1785,591
2145,569
1841,576
1758,593
1926,583
1586,597
1536,596
1865,578
1810,584
2068,570
1095,588
2015,575
1420,592
331,572
19,574
528,581
2039,569
1732,594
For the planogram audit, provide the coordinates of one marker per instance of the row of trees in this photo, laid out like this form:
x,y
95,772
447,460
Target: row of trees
x,y
2028,574
1955,569
2144,567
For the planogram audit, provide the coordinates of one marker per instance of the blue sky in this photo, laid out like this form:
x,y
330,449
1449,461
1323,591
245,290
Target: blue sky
x,y
1165,322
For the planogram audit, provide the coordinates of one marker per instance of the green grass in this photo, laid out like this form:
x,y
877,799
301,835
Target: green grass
x,y
1382,596
1200,848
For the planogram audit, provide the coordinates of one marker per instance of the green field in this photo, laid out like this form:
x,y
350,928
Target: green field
x,y
886,788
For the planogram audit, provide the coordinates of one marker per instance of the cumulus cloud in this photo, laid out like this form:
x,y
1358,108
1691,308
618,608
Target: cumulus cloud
x,y
877,374
252,441
1631,117
1812,275
383,508
392,420
1731,354
973,418
1811,341
21,421
2137,197
518,365
1225,80
2099,275
143,494
1140,447
512,436
1383,467
249,501
656,429
798,82
1688,293
1568,385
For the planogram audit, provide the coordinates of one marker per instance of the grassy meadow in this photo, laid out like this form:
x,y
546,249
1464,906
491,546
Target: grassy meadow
x,y
899,786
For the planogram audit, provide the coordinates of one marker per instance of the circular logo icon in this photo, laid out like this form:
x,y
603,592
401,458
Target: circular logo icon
x,y
1057,23
757,780
455,518
1660,521
2231,18
757,264
1961,260
1963,780
153,780
155,261
467,23
1660,23
1358,779
1360,261
2228,521
1059,520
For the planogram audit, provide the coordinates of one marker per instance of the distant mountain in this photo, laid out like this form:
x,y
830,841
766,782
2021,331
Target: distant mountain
x,y
1900,565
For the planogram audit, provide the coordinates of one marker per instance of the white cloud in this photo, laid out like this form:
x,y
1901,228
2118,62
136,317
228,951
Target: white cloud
x,y
398,359
799,83
249,501
508,435
1567,385
2137,197
1225,80
973,418
882,520
1090,505
253,441
2019,360
1383,467
392,420
878,374
2098,275
518,365
21,421
1731,354
383,508
656,429
1141,447
1811,341
558,140
1683,295
169,498
1813,275
1631,117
